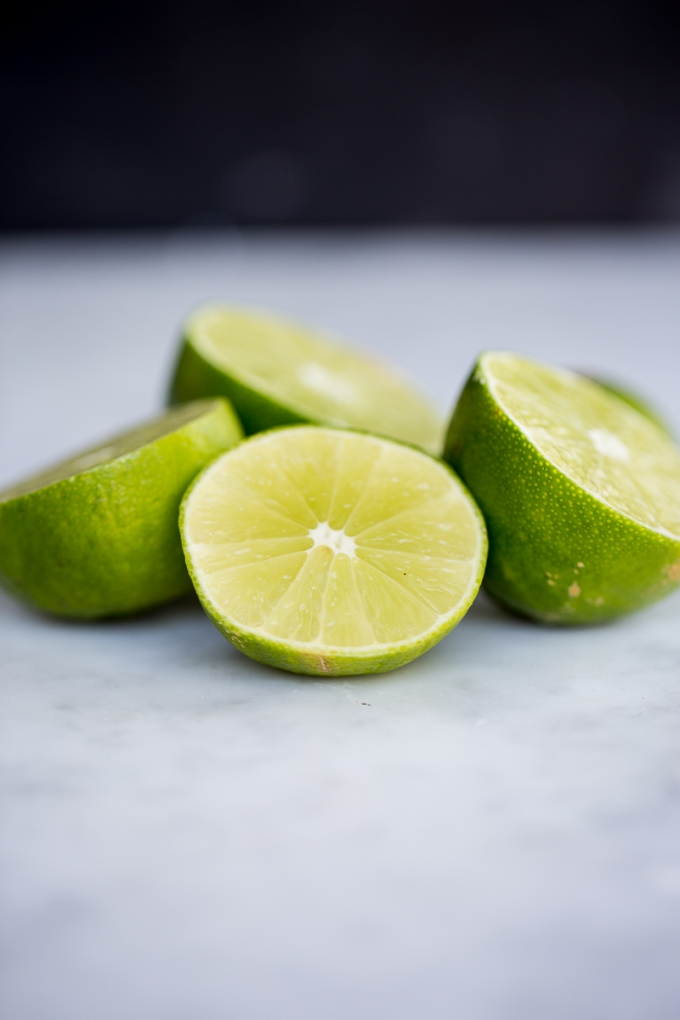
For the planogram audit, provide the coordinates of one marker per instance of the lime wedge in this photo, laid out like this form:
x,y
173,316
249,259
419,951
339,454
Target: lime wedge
x,y
329,552
97,535
276,372
580,492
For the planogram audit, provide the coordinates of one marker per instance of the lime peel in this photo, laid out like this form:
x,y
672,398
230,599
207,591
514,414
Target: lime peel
x,y
97,535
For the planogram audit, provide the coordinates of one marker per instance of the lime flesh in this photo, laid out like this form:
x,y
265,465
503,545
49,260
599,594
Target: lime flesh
x,y
580,492
97,535
276,372
329,552
634,399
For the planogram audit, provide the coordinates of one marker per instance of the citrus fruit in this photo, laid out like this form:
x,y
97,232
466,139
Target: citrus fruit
x,y
580,492
634,399
98,535
276,372
329,552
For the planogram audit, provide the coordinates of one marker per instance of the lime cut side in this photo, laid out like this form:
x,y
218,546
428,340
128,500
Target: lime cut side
x,y
605,447
633,399
580,492
329,552
97,534
276,373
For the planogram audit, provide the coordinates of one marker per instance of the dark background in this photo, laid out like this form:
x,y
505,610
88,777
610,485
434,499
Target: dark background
x,y
204,113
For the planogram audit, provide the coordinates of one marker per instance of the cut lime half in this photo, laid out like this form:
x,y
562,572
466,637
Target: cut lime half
x,y
277,372
98,535
329,552
580,492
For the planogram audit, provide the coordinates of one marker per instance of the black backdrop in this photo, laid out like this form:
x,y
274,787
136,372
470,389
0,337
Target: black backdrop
x,y
313,112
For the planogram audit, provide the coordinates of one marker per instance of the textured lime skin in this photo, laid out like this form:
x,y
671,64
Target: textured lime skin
x,y
105,542
329,661
296,657
556,553
195,377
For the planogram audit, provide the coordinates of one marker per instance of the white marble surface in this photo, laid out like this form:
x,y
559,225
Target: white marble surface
x,y
490,833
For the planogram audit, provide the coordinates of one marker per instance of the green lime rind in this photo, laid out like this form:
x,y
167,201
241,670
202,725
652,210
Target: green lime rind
x,y
104,541
195,377
556,553
326,660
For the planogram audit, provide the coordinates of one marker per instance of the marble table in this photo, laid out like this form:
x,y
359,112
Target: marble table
x,y
490,833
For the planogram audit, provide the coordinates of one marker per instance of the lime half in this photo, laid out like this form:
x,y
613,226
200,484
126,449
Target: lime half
x,y
329,552
276,372
580,492
98,535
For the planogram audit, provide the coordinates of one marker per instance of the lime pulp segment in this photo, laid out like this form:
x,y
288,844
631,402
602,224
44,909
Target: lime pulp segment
x,y
324,551
633,399
605,447
277,372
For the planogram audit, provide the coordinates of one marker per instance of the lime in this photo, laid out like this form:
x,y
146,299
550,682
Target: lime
x,y
580,492
634,399
276,372
329,552
97,535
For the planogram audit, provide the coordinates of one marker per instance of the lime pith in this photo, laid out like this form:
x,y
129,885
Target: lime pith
x,y
97,534
276,372
329,552
580,492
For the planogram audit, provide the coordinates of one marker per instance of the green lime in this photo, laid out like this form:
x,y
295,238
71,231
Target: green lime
x,y
634,399
276,372
98,535
580,492
329,552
